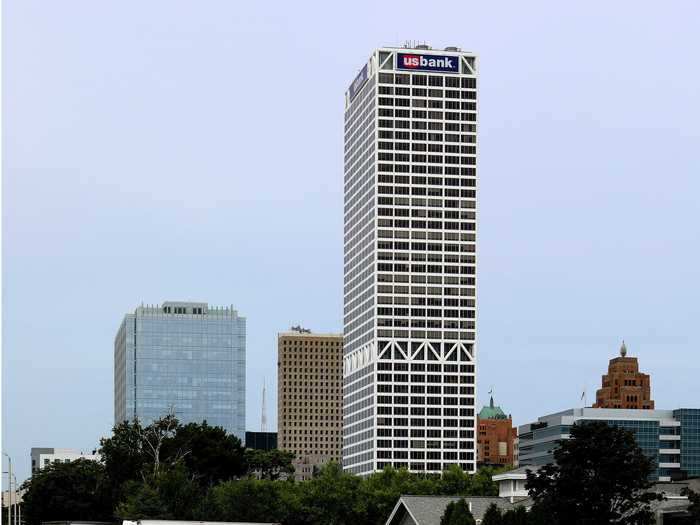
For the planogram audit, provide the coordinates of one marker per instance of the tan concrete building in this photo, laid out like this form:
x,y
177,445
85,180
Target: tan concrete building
x,y
624,386
310,397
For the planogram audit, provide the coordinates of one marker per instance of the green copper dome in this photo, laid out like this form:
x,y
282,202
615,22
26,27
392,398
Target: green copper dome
x,y
492,412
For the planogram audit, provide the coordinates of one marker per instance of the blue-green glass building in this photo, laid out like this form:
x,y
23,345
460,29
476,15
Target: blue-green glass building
x,y
185,357
671,438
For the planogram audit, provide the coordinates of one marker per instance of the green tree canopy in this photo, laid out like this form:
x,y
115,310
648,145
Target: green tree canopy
x,y
166,470
482,484
332,496
492,516
694,509
380,491
600,476
248,500
172,494
454,481
517,516
135,452
210,454
457,513
122,453
269,464
67,491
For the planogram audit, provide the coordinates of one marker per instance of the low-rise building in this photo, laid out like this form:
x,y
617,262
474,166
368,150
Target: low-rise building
x,y
261,440
671,438
673,503
428,510
12,497
43,457
511,484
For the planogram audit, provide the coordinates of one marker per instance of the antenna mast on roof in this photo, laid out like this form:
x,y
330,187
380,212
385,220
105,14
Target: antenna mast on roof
x,y
263,417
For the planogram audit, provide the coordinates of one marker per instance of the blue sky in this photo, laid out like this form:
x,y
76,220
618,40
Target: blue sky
x,y
177,150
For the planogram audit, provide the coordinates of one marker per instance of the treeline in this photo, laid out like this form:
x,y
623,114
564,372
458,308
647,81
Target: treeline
x,y
198,472
458,513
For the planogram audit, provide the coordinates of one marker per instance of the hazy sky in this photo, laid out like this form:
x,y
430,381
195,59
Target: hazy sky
x,y
192,150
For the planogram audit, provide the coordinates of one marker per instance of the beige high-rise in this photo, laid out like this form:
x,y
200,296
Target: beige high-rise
x,y
310,397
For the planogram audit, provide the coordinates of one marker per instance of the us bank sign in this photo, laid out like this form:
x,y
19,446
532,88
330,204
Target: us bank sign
x,y
414,62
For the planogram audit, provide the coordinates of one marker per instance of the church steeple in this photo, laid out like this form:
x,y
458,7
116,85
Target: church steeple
x,y
492,411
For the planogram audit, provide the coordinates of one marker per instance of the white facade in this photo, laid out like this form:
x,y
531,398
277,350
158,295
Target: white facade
x,y
43,457
511,484
410,262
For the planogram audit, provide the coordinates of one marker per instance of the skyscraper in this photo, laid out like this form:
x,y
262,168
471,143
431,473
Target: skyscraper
x,y
182,356
410,261
309,397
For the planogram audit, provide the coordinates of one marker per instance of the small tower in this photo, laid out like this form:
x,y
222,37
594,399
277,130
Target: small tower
x,y
263,417
624,386
496,436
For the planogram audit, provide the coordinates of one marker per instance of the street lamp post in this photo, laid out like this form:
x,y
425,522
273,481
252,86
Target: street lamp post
x,y
9,488
17,521
19,507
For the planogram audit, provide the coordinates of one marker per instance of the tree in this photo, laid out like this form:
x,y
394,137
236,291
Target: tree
x,y
269,464
333,496
135,452
537,516
694,508
492,516
172,494
67,491
122,454
482,483
142,500
247,500
600,476
210,454
457,513
154,437
380,491
454,482
517,516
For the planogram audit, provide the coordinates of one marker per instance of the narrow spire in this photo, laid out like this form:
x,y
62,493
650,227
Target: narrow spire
x,y
263,417
623,349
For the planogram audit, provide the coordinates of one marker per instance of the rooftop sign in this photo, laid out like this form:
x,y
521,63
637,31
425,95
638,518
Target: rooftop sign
x,y
442,63
359,81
